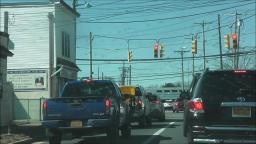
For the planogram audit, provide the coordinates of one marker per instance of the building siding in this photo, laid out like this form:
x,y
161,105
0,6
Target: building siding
x,y
64,21
29,31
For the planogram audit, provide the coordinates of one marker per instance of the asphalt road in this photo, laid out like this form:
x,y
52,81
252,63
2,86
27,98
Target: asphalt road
x,y
167,132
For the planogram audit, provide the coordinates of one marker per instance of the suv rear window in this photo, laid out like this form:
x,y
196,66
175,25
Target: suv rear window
x,y
88,89
228,85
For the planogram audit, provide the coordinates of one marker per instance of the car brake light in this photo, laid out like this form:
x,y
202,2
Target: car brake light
x,y
156,102
44,105
139,103
107,106
196,105
87,80
107,103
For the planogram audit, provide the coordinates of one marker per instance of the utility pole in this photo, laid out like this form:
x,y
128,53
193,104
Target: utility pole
x,y
235,64
90,45
98,73
203,24
51,48
182,69
130,72
220,45
238,43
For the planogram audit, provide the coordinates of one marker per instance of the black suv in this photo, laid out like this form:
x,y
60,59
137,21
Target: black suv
x,y
222,108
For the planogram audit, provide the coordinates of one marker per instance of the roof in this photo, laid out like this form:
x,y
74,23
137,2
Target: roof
x,y
4,52
64,4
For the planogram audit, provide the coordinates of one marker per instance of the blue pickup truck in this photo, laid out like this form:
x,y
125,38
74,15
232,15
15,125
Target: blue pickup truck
x,y
86,107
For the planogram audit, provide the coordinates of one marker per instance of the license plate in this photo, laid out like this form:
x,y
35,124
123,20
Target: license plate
x,y
241,112
76,124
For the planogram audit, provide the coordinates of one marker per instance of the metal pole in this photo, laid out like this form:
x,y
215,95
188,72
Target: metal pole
x,y
90,42
221,63
204,44
193,68
238,43
98,73
235,56
51,47
182,70
130,80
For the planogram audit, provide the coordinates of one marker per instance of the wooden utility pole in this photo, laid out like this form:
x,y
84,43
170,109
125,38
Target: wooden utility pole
x,y
203,33
130,72
90,47
182,69
220,45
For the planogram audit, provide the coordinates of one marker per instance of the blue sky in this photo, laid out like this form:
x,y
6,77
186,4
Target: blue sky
x,y
172,22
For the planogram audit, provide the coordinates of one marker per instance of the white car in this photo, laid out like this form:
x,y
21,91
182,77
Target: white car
x,y
168,104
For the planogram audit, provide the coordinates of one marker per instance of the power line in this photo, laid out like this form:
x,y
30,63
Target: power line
x,y
169,18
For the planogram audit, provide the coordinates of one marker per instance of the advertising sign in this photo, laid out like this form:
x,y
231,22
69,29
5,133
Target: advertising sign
x,y
29,79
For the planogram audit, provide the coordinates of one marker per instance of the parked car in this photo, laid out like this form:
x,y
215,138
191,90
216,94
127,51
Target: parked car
x,y
139,105
156,107
178,105
222,108
168,104
84,107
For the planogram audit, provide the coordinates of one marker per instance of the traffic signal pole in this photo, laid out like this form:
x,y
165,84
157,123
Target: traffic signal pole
x,y
220,45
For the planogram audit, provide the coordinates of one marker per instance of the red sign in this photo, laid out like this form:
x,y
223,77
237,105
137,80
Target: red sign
x,y
234,36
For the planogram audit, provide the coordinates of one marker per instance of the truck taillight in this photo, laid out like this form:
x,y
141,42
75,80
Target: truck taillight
x,y
44,105
196,105
156,102
107,105
139,103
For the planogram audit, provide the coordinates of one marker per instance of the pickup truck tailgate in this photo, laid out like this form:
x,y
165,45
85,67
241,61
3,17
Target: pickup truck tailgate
x,y
74,108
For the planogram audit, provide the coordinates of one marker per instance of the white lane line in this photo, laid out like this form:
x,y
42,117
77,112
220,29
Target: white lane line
x,y
157,133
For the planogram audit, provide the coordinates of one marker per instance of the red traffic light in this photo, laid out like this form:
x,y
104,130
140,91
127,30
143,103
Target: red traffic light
x,y
234,36
156,47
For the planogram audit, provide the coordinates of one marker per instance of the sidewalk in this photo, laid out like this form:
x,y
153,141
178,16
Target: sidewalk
x,y
22,132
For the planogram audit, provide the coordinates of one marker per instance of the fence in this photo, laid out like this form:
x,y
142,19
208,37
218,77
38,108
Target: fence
x,y
27,109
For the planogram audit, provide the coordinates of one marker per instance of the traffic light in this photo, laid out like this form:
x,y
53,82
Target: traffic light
x,y
234,40
129,56
194,46
156,50
161,51
227,41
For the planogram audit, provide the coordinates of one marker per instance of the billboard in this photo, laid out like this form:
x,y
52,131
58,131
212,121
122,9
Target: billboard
x,y
28,79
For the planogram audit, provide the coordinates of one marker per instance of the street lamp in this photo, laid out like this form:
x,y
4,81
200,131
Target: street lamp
x,y
85,4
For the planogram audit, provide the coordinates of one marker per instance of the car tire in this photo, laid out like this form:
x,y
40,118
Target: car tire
x,y
126,131
162,118
149,121
113,129
142,121
54,137
190,136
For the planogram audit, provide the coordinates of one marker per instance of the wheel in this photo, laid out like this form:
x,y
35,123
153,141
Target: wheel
x,y
142,121
162,118
113,134
190,136
54,140
54,136
113,129
126,131
148,121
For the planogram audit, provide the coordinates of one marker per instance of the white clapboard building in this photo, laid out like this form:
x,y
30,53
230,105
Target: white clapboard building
x,y
43,41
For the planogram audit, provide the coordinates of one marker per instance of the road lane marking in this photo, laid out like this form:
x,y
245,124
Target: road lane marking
x,y
157,133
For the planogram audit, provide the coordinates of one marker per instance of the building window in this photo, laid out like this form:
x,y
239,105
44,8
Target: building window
x,y
65,44
159,91
174,90
167,91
